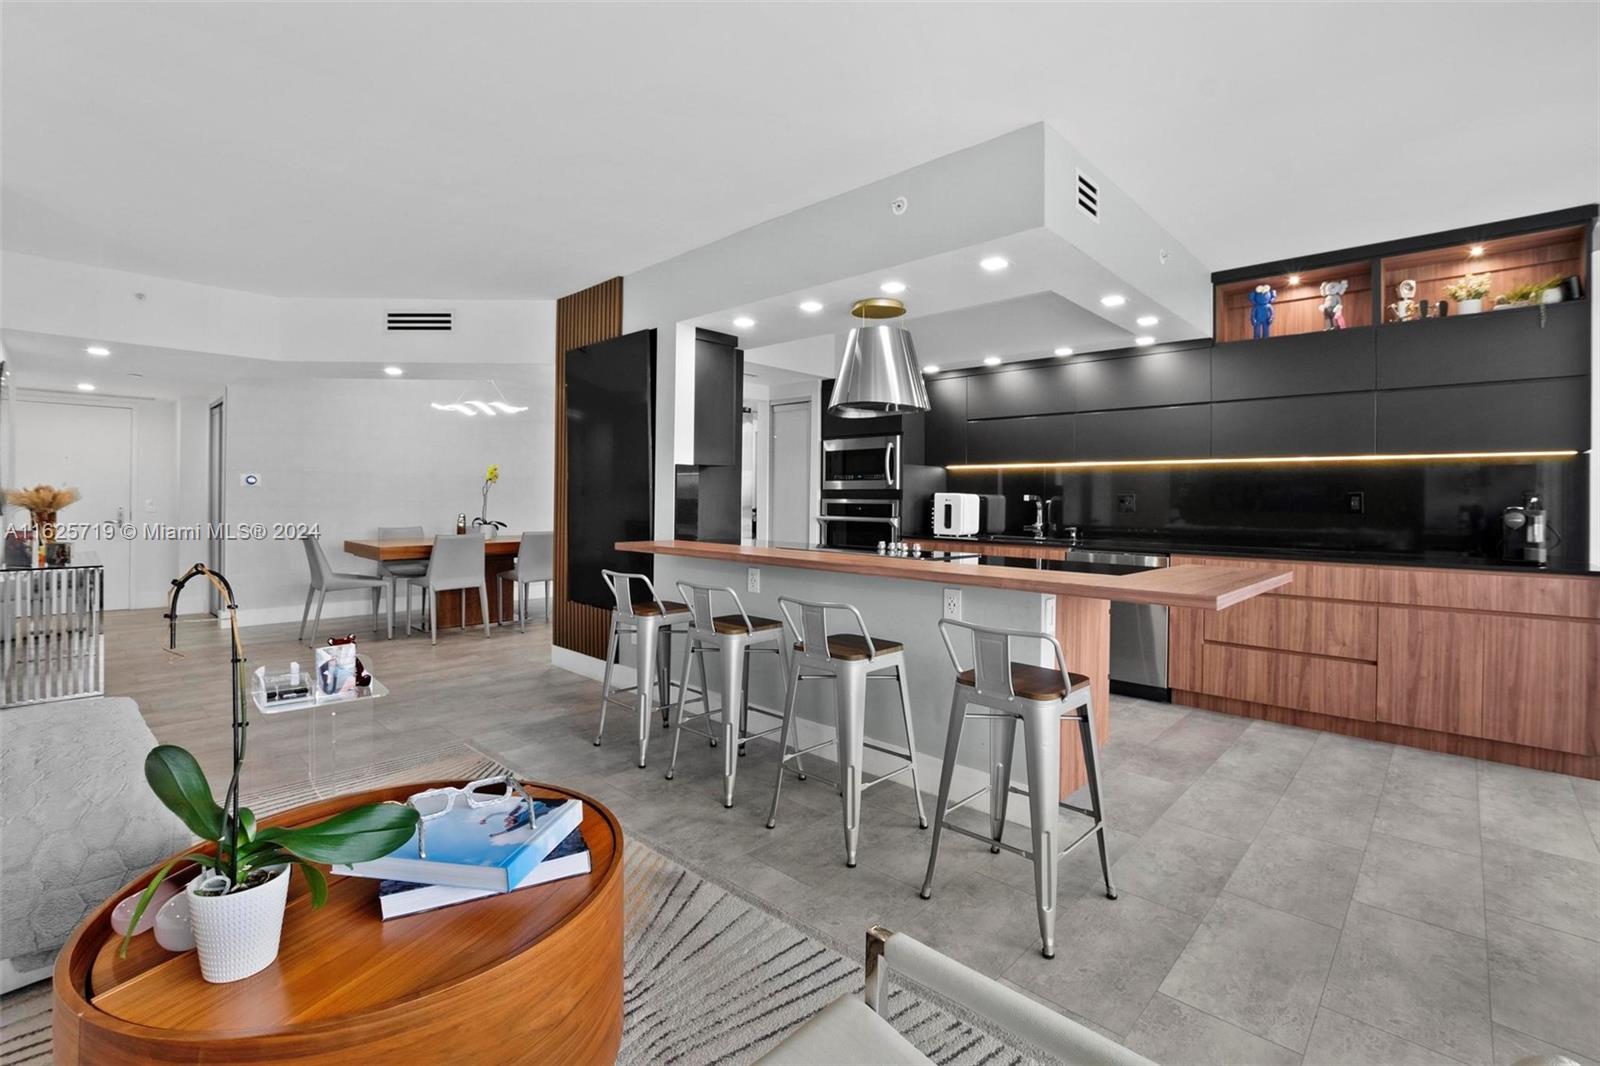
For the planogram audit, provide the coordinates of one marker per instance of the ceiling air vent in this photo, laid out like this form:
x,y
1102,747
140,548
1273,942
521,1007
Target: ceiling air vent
x,y
1088,196
408,321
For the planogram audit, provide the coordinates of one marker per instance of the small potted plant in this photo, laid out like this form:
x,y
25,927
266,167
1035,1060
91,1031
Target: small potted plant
x,y
1535,292
1468,293
236,908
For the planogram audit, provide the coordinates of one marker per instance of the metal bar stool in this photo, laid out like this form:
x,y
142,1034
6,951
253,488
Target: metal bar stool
x,y
736,636
1041,698
648,618
850,660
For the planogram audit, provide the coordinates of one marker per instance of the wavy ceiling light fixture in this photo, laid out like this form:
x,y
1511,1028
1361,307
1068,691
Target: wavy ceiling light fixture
x,y
473,408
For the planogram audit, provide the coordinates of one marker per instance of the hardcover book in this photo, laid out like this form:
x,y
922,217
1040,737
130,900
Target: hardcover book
x,y
396,899
490,847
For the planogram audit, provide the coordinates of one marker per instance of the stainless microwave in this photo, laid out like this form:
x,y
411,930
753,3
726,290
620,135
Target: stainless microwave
x,y
861,463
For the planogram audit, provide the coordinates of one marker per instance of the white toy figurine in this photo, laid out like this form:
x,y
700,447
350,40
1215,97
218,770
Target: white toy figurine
x,y
1404,309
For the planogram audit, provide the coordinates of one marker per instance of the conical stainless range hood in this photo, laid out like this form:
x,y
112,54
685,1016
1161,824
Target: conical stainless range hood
x,y
880,374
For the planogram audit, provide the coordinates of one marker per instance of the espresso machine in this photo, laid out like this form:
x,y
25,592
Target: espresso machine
x,y
1524,534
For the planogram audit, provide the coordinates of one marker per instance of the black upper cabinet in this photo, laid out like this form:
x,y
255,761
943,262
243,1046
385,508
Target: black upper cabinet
x,y
1156,379
1147,433
946,422
1549,414
1339,360
1491,346
1039,438
718,399
1034,390
1339,424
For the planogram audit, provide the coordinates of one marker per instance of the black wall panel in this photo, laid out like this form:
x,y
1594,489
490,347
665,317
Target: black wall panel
x,y
610,390
1332,361
1341,424
1146,433
1551,414
1490,346
1152,380
1041,438
1037,390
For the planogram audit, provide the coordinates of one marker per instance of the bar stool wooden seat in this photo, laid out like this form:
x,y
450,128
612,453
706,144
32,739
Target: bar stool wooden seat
x,y
736,637
998,688
849,660
651,621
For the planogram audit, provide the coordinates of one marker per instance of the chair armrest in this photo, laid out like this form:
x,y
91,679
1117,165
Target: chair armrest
x,y
1010,1010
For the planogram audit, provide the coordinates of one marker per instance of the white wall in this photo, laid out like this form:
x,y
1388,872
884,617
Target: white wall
x,y
351,456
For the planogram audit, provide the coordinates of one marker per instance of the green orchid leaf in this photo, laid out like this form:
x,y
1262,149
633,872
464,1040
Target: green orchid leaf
x,y
149,893
179,783
317,882
247,826
357,835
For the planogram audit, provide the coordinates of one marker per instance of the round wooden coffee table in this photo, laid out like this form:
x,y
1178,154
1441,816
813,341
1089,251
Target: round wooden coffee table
x,y
531,976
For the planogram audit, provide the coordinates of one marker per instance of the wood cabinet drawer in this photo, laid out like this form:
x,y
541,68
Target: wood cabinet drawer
x,y
1288,623
1553,594
1541,683
1430,670
1329,581
1284,679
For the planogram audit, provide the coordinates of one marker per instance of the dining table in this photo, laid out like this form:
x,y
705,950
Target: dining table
x,y
455,607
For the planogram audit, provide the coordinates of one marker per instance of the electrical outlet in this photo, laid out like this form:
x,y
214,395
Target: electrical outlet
x,y
1355,502
753,579
1127,503
952,604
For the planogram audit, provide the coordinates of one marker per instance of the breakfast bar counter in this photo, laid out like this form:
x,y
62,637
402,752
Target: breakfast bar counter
x,y
1071,601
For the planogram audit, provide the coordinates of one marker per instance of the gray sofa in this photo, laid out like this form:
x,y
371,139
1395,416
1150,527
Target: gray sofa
x,y
77,821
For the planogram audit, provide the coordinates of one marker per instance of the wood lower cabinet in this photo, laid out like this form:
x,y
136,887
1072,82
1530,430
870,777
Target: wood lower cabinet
x,y
1496,665
1430,669
1541,683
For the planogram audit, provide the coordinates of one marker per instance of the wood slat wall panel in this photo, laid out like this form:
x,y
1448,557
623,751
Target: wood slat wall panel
x,y
586,317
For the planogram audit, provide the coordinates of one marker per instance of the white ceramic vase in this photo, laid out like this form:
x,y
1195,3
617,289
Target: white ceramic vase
x,y
1551,295
1469,307
237,934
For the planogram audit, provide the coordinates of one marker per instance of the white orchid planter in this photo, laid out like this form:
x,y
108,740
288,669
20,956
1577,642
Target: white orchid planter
x,y
1469,307
237,934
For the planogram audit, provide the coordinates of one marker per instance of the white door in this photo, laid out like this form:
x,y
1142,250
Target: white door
x,y
90,448
790,488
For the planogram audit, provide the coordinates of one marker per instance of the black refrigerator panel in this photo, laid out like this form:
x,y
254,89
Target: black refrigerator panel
x,y
609,389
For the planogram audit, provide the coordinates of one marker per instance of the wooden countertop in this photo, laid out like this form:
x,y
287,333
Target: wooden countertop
x,y
1207,587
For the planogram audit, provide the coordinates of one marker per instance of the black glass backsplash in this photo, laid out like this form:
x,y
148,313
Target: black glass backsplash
x,y
1401,508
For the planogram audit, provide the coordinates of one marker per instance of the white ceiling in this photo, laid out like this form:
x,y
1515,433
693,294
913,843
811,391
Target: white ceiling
x,y
527,150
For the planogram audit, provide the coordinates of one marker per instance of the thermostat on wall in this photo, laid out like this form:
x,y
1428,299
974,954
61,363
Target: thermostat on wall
x,y
249,480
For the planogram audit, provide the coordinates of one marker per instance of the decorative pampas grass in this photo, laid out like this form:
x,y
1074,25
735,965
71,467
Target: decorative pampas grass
x,y
42,499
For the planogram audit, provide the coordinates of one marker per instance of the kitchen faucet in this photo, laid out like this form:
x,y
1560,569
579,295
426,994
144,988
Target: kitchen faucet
x,y
1041,516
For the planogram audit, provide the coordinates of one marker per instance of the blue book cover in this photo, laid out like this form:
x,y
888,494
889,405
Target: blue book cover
x,y
491,847
399,898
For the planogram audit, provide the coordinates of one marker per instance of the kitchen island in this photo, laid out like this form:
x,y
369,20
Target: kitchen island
x,y
900,597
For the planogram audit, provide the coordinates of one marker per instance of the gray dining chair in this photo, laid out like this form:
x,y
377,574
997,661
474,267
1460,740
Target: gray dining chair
x,y
535,565
455,565
325,579
399,571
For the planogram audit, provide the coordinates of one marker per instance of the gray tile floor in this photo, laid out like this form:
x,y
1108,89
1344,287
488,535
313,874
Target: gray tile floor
x,y
1286,896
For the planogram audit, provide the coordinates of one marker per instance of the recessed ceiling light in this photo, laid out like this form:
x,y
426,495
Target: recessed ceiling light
x,y
991,360
744,322
893,288
393,371
1141,341
1063,351
993,263
84,386
95,349
930,370
1475,251
810,307
1147,320
1294,279
1115,299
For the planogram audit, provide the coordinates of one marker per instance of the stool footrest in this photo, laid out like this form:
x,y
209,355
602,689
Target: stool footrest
x,y
881,778
807,751
993,843
897,753
963,802
1087,833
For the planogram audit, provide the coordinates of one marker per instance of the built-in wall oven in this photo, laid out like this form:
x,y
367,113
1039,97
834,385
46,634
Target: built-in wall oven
x,y
858,522
855,463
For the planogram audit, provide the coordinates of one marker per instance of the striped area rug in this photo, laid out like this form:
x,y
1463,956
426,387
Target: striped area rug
x,y
708,976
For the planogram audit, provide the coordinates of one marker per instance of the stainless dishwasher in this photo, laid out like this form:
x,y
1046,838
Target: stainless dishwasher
x,y
1138,631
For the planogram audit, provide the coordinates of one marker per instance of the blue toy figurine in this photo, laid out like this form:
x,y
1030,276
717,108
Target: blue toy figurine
x,y
1261,311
